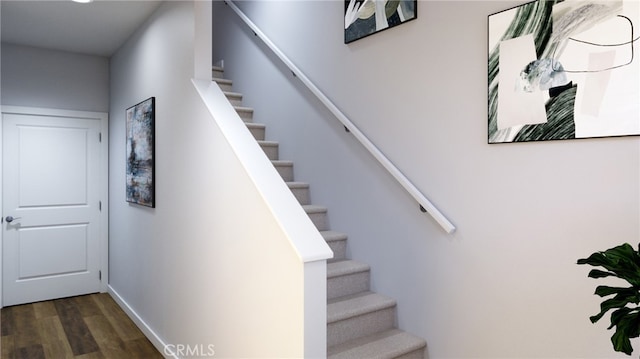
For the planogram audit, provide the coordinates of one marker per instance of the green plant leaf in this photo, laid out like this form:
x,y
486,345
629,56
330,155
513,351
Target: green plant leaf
x,y
621,342
622,262
622,313
596,259
604,291
619,301
596,273
627,328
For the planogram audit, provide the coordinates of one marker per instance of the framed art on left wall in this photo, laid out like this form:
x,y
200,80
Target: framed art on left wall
x,y
366,17
140,150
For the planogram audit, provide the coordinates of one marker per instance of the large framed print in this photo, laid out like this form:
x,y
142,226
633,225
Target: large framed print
x,y
140,150
564,69
366,17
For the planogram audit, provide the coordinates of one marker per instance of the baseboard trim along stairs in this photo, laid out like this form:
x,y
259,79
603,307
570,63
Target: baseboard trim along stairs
x,y
360,323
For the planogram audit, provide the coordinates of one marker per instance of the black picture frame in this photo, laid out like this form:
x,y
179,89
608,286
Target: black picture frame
x,y
362,19
140,152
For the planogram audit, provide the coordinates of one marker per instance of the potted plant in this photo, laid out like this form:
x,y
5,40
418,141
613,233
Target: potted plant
x,y
622,262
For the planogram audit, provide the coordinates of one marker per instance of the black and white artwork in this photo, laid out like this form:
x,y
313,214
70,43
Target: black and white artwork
x,y
366,17
563,70
140,172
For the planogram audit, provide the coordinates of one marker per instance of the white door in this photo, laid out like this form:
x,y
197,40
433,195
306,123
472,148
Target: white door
x,y
51,207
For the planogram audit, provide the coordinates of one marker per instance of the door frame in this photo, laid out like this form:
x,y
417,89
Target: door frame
x,y
103,240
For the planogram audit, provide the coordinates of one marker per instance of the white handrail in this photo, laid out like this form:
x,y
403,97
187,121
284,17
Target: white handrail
x,y
386,163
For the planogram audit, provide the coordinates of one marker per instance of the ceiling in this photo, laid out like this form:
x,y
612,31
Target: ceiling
x,y
97,28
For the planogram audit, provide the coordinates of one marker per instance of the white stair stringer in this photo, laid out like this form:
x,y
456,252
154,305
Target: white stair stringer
x,y
360,323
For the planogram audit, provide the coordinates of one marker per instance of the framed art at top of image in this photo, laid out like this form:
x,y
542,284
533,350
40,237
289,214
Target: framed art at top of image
x,y
563,70
140,172
366,17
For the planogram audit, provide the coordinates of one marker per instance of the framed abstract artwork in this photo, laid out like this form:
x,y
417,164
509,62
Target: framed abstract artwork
x,y
140,150
564,69
366,17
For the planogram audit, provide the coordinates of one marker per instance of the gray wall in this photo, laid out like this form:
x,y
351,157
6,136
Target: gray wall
x,y
36,77
506,283
144,243
198,269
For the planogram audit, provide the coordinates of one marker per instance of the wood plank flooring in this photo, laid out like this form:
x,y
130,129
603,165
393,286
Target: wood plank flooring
x,y
85,327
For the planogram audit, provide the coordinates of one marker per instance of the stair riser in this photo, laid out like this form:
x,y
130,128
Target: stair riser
x,y
258,133
285,171
235,100
356,327
416,354
225,86
390,344
320,220
339,249
217,74
347,284
302,195
245,115
270,150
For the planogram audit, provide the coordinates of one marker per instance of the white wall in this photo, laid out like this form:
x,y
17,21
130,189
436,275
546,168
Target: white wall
x,y
36,77
506,283
207,266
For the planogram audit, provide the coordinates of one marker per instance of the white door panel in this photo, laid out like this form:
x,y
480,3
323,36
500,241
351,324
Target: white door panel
x,y
51,176
66,248
62,160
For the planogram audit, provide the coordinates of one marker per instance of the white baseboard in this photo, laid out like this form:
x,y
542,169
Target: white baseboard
x,y
146,330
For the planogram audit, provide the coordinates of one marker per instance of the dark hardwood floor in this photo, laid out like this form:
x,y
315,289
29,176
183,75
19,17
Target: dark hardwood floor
x,y
86,327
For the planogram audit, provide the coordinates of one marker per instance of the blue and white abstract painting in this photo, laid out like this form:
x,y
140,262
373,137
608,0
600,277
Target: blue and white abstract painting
x,y
564,69
140,170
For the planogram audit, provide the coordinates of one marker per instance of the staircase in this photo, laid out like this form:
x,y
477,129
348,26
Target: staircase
x,y
360,323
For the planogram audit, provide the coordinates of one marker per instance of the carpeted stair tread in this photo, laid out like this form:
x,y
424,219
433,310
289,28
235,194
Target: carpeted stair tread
x,y
301,191
293,184
270,148
243,108
332,236
232,94
337,241
284,168
344,267
222,81
256,125
245,113
318,216
257,130
347,277
224,84
385,345
234,97
312,208
217,72
358,304
282,163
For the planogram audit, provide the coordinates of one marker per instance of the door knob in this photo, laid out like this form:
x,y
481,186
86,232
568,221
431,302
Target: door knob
x,y
10,219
